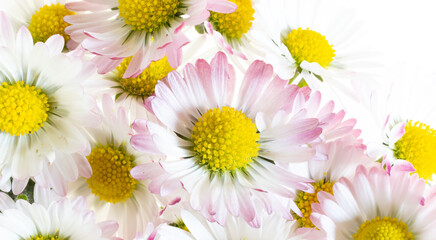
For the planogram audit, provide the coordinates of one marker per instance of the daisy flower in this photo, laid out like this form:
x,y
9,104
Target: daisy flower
x,y
222,146
375,205
42,110
342,159
43,18
110,191
311,42
145,30
60,219
132,92
398,132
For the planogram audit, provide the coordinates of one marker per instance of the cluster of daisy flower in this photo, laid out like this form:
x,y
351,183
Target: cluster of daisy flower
x,y
206,119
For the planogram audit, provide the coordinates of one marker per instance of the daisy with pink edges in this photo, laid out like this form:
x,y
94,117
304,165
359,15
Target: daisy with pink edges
x,y
375,205
340,159
223,146
398,132
44,126
113,31
51,217
109,189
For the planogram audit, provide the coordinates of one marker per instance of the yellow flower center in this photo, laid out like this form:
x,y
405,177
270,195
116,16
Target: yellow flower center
x,y
418,146
225,140
111,180
385,228
304,202
234,25
23,108
48,21
47,237
143,85
310,46
149,15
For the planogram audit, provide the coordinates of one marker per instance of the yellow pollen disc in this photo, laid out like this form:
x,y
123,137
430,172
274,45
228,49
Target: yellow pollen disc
x,y
46,237
234,25
385,228
418,146
48,21
149,15
304,202
23,108
310,46
225,140
143,85
111,180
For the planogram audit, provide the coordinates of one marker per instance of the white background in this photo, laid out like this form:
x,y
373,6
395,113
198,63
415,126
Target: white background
x,y
403,31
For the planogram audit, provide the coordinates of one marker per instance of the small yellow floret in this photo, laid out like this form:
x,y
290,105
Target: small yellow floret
x,y
143,85
385,228
48,21
225,140
310,46
304,202
179,224
111,180
234,25
149,15
418,146
23,108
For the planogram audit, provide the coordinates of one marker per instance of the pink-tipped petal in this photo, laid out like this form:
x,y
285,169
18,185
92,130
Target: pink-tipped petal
x,y
221,6
144,143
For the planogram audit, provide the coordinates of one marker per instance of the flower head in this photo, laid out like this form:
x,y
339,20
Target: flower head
x,y
227,149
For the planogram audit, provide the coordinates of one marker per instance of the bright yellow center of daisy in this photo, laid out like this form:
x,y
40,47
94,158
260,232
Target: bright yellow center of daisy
x,y
149,15
48,21
304,202
418,146
46,237
234,25
310,46
225,139
385,228
143,85
111,180
23,108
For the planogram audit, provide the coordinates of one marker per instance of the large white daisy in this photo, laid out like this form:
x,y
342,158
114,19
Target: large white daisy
x,y
376,205
110,191
314,42
42,110
223,146
145,30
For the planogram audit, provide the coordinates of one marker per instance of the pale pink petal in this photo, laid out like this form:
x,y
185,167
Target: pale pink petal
x,y
19,185
221,6
108,228
144,143
396,133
